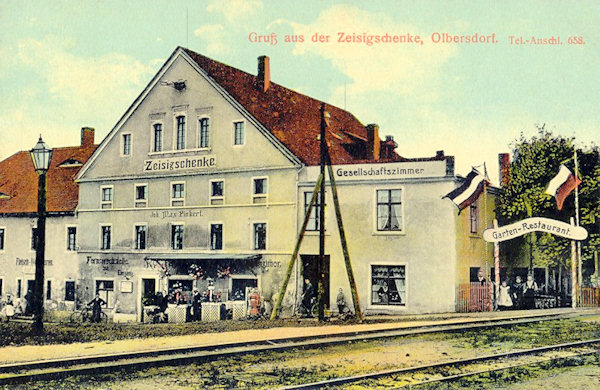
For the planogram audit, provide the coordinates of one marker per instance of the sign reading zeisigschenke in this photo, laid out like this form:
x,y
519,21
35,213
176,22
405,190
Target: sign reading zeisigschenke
x,y
180,163
539,224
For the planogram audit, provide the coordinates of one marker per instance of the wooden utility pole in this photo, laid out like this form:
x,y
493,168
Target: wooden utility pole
x,y
323,149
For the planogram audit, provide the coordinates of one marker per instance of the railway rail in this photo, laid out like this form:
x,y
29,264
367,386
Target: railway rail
x,y
455,363
59,368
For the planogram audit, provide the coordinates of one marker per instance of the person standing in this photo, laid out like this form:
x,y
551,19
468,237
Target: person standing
x,y
96,305
341,302
9,308
307,295
504,300
517,292
384,294
196,305
529,289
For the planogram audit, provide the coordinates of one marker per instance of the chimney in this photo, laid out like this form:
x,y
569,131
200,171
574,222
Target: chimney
x,y
388,147
264,73
373,142
504,168
87,136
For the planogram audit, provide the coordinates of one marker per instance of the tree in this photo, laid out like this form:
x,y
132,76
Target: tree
x,y
535,162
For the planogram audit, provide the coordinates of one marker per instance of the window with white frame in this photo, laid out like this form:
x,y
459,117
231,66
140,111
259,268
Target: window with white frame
x,y
71,238
70,290
389,210
141,236
177,194
216,236
259,190
141,195
473,220
238,133
157,145
260,236
177,236
313,220
180,132
126,144
2,234
388,285
106,197
106,290
203,132
105,237
217,191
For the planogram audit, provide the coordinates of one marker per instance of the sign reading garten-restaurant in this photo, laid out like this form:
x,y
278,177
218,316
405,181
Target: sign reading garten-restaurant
x,y
539,224
180,163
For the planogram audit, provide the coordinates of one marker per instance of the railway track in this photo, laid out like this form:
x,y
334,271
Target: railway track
x,y
60,368
405,371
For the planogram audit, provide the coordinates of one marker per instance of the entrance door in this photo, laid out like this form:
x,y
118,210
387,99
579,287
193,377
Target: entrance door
x,y
148,291
309,270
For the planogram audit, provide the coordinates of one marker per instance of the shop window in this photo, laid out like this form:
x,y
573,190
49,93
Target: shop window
x,y
259,190
106,290
180,136
473,220
216,236
389,210
388,285
1,239
141,234
260,236
313,220
107,197
71,238
126,144
177,237
177,194
240,287
217,191
204,133
179,290
157,146
141,195
238,133
105,232
70,291
48,289
34,238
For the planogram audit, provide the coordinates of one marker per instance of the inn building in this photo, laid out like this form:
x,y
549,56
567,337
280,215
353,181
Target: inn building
x,y
204,182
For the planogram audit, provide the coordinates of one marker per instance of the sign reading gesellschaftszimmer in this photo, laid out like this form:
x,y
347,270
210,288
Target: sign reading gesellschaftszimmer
x,y
539,224
180,163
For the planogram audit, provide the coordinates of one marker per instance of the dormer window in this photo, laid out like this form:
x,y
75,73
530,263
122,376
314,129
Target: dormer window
x,y
70,162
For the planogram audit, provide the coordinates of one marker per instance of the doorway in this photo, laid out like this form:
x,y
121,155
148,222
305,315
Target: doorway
x,y
148,291
309,270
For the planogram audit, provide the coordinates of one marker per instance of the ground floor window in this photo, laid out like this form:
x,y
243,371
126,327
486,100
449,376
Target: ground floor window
x,y
241,286
70,291
388,285
106,290
48,289
180,290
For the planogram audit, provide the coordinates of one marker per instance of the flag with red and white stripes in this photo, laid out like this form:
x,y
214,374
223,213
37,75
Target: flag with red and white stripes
x,y
562,185
469,191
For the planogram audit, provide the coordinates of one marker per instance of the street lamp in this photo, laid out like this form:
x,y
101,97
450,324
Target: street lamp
x,y
41,155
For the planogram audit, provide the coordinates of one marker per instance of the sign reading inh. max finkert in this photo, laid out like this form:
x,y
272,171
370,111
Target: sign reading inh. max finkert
x,y
539,224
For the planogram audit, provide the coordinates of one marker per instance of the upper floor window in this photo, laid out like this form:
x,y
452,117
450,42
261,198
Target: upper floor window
x,y
217,190
259,190
204,133
180,135
473,220
1,239
260,235
71,238
141,195
107,197
216,236
34,238
141,235
238,133
177,236
157,145
126,144
105,239
177,194
313,220
389,210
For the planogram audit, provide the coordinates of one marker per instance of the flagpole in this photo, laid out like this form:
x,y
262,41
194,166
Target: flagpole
x,y
579,267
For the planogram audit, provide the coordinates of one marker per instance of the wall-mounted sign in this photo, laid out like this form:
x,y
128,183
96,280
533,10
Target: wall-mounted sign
x,y
534,224
126,286
385,171
28,262
180,163
176,214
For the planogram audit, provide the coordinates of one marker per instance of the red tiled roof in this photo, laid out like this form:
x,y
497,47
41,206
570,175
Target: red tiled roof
x,y
19,181
293,118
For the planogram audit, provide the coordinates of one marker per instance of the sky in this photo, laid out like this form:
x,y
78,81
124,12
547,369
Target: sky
x,y
69,64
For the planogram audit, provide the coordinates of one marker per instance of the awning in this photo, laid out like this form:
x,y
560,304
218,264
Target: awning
x,y
203,256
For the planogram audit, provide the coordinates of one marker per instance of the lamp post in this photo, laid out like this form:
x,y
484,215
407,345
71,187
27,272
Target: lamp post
x,y
41,155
